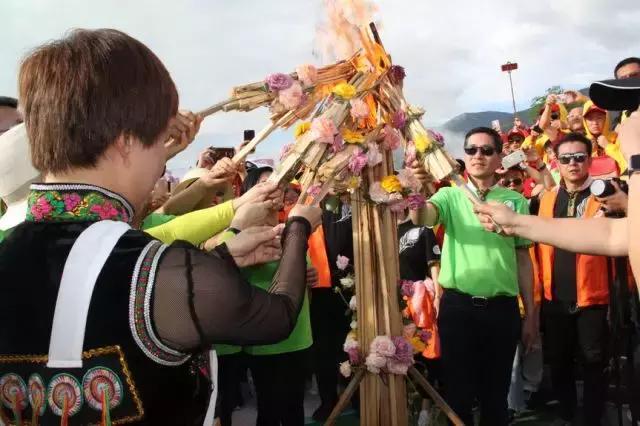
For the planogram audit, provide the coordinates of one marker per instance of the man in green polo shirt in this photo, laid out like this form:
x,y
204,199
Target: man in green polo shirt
x,y
482,274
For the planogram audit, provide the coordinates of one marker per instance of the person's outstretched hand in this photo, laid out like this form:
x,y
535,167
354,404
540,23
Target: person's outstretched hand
x,y
257,245
223,171
260,192
311,213
183,129
492,213
254,214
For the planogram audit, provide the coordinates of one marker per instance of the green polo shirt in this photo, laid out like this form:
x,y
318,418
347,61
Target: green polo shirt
x,y
475,261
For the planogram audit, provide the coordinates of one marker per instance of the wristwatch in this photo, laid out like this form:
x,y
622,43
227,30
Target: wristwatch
x,y
634,165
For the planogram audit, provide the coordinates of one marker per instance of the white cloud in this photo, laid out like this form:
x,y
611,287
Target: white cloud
x,y
451,49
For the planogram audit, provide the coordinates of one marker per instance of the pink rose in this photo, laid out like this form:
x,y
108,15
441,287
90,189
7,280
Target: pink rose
x,y
292,97
342,262
278,81
416,201
307,74
404,350
399,119
71,201
410,154
286,149
324,130
409,181
407,288
354,356
377,193
375,362
357,161
436,136
424,336
106,211
41,208
392,138
338,144
314,189
359,109
396,74
351,345
398,206
374,156
382,345
395,367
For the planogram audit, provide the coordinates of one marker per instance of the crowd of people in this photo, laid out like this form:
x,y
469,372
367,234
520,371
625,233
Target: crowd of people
x,y
225,259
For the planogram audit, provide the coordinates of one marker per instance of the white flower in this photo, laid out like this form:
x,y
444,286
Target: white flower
x,y
354,324
345,369
375,362
350,344
347,282
353,303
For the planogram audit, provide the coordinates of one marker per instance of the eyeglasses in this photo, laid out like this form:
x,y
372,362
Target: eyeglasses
x,y
485,150
514,181
578,157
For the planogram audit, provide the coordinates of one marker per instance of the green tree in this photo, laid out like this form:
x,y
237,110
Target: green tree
x,y
538,102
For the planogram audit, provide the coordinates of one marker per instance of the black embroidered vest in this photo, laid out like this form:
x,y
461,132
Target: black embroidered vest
x,y
128,376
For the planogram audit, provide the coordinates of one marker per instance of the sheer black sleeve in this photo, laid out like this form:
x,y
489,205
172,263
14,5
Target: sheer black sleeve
x,y
202,298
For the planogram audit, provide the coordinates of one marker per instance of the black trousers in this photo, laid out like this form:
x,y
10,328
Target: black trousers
x,y
330,326
585,333
229,394
279,381
478,344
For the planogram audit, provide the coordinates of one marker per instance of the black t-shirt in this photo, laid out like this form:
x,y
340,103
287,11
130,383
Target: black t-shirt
x,y
418,250
564,262
338,238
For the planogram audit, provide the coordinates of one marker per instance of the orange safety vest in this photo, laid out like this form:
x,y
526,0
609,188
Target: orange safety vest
x,y
592,279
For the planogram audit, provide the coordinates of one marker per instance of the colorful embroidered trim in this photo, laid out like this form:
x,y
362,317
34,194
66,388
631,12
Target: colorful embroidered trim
x,y
140,322
100,383
97,381
56,202
64,395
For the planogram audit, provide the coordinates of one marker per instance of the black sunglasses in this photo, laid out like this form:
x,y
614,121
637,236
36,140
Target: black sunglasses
x,y
579,157
485,150
515,181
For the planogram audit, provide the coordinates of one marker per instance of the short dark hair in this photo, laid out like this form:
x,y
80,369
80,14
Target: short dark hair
x,y
622,63
495,136
574,137
253,177
7,101
80,93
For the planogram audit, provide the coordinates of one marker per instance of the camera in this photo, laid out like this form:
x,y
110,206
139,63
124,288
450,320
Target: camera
x,y
602,188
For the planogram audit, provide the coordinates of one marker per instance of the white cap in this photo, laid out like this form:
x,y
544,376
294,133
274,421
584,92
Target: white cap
x,y
16,175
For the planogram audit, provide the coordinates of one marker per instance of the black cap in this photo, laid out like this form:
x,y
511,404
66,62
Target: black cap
x,y
616,95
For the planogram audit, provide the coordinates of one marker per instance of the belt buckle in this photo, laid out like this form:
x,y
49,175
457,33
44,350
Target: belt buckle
x,y
479,301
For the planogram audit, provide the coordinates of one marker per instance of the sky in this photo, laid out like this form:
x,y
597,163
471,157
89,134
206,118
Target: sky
x,y
452,50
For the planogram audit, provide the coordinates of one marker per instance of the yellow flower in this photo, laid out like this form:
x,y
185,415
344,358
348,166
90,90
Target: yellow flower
x,y
354,182
351,136
418,344
422,142
302,128
344,90
391,184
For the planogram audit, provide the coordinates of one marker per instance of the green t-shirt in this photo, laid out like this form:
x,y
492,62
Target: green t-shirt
x,y
475,261
156,219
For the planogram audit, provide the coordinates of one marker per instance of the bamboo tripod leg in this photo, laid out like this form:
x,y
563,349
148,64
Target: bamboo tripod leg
x,y
437,399
346,397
